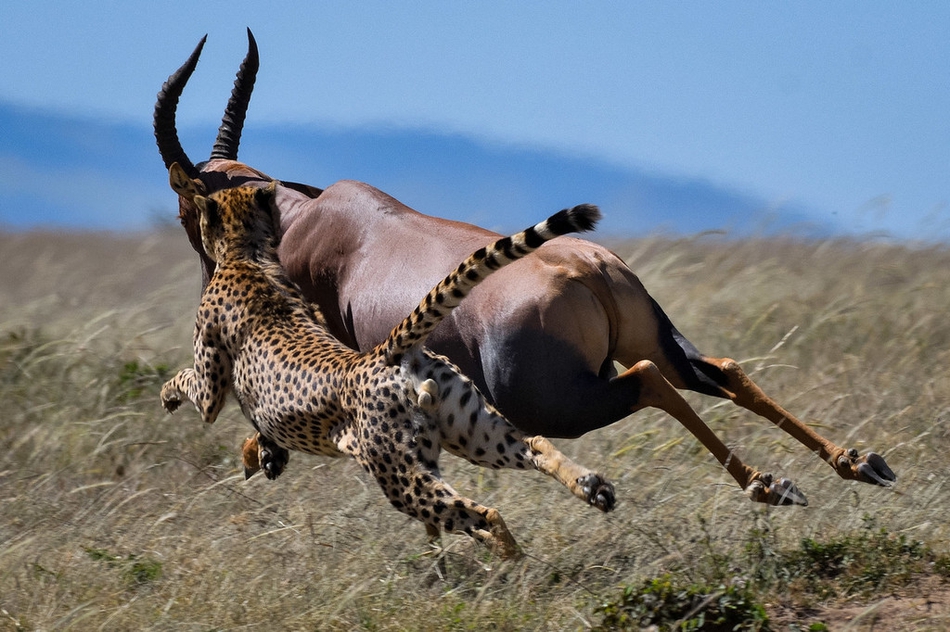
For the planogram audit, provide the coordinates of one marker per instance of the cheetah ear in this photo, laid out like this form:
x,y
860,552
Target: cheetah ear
x,y
184,186
209,219
266,195
267,198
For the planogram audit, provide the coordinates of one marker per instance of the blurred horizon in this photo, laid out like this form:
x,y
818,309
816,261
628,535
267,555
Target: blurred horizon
x,y
90,174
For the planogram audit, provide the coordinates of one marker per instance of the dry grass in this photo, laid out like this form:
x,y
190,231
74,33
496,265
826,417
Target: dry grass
x,y
116,516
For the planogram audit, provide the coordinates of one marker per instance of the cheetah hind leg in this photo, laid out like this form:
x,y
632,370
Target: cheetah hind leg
x,y
583,483
496,536
260,453
446,510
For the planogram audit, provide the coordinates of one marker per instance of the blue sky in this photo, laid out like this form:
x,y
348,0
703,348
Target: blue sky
x,y
839,108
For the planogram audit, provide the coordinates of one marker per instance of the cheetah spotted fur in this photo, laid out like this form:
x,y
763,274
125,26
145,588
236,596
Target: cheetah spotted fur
x,y
393,409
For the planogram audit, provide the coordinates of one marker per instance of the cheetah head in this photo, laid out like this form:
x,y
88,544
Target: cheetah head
x,y
241,219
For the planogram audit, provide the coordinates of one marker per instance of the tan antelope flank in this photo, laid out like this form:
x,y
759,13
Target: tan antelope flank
x,y
393,408
539,338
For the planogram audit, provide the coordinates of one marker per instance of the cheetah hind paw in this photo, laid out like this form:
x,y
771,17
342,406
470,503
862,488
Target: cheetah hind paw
x,y
598,491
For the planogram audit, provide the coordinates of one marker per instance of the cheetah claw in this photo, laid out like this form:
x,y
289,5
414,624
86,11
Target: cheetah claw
x,y
599,492
870,468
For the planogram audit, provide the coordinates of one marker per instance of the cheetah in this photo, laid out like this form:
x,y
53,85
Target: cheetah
x,y
392,409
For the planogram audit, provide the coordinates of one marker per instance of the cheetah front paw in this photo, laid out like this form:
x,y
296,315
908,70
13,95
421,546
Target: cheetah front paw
x,y
598,491
171,397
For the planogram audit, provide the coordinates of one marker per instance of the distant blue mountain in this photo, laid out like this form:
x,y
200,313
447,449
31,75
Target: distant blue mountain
x,y
81,173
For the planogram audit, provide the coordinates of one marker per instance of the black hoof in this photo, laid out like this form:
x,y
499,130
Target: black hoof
x,y
874,470
782,492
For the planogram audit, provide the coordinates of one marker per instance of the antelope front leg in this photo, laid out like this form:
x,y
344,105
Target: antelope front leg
x,y
870,468
260,453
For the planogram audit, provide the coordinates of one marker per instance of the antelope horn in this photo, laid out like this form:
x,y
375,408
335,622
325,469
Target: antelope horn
x,y
165,106
232,124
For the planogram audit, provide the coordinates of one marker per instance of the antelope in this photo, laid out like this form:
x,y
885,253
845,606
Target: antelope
x,y
539,338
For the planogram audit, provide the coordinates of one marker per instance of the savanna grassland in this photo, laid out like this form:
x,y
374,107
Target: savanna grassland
x,y
116,516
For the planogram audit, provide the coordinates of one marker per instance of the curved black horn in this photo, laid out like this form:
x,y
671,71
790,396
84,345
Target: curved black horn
x,y
232,124
165,106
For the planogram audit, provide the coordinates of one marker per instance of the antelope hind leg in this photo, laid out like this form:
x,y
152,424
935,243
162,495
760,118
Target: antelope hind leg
x,y
870,468
655,391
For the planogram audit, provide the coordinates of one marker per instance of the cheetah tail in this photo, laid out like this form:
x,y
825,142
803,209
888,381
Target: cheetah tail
x,y
445,296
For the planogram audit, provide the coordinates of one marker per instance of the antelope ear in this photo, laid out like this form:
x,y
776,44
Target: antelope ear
x,y
181,184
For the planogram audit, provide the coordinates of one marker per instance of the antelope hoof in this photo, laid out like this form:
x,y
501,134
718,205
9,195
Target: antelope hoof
x,y
870,468
598,492
780,492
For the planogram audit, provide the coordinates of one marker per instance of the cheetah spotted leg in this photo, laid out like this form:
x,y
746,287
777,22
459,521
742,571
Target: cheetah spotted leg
x,y
440,508
511,450
187,384
586,485
419,492
473,430
260,453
